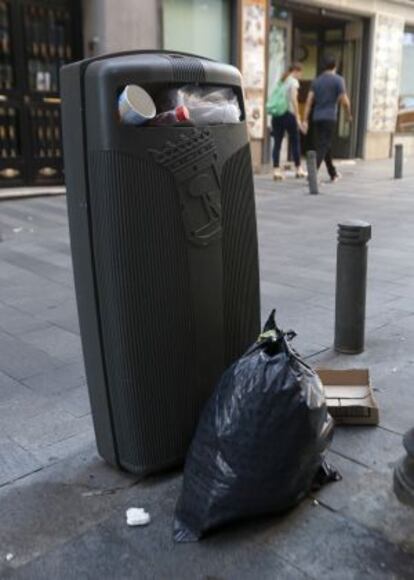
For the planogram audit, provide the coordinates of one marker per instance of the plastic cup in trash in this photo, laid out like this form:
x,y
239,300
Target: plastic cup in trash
x,y
135,105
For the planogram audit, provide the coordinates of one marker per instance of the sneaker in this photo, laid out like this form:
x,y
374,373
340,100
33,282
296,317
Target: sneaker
x,y
336,177
300,173
277,174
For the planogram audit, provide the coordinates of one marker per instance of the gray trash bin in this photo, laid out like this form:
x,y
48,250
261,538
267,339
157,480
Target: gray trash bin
x,y
164,244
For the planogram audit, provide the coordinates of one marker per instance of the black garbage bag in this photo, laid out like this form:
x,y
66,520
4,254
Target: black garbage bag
x,y
258,448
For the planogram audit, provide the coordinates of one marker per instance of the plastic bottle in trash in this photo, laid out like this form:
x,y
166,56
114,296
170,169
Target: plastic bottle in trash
x,y
178,115
215,113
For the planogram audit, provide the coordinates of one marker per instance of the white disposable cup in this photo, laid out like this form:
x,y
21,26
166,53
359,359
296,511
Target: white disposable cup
x,y
135,105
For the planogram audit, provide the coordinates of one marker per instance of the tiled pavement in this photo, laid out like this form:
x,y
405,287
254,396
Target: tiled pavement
x,y
44,412
61,508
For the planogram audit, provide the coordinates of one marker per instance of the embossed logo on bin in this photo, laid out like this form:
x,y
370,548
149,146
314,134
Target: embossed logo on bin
x,y
192,160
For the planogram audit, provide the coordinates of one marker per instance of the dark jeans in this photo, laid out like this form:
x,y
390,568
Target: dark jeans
x,y
281,125
324,132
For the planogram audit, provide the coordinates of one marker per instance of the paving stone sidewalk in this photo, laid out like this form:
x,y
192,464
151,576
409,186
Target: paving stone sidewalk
x,y
62,509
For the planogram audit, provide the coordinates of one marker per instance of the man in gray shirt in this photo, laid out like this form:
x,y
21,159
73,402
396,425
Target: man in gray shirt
x,y
326,93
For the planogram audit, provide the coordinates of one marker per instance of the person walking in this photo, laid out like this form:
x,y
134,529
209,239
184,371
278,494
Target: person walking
x,y
326,93
284,107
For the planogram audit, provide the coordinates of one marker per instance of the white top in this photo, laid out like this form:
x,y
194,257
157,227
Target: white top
x,y
290,84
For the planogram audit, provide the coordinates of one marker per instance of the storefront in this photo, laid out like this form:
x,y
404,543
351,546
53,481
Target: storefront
x,y
262,37
302,34
373,41
36,38
374,56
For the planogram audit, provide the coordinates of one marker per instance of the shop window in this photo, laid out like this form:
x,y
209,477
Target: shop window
x,y
198,26
306,52
334,35
405,119
278,57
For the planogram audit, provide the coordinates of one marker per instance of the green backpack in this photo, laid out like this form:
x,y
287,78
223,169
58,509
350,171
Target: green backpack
x,y
277,104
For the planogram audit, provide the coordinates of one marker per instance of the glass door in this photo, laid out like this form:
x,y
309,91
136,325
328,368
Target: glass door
x,y
36,38
48,45
279,49
278,53
12,165
346,45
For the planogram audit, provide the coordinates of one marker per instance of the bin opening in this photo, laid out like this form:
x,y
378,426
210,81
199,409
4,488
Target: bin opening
x,y
189,104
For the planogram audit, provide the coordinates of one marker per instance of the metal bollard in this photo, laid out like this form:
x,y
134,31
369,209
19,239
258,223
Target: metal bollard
x,y
404,472
351,284
398,162
312,172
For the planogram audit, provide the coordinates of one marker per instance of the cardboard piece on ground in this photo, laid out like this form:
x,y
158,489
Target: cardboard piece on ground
x,y
349,396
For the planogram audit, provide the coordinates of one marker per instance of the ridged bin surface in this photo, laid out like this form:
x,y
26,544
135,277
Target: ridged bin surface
x,y
144,293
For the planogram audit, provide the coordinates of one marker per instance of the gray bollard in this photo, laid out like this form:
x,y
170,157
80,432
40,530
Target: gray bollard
x,y
398,162
404,472
312,172
351,284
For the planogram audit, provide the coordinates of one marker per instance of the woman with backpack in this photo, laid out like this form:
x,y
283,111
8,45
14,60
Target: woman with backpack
x,y
284,107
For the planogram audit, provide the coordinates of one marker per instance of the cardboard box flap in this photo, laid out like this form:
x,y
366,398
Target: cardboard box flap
x,y
346,392
349,396
366,402
344,377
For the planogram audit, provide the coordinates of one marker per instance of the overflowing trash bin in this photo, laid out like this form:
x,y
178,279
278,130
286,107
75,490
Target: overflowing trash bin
x,y
164,244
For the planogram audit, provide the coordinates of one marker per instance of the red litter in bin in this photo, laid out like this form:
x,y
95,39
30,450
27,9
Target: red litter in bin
x,y
182,113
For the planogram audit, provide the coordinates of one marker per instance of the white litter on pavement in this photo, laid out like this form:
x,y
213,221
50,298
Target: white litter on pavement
x,y
137,517
9,556
17,230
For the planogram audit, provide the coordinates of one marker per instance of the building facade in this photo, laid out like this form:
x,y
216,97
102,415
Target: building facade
x,y
373,41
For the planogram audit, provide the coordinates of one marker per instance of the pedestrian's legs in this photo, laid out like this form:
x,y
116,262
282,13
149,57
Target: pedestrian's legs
x,y
293,131
330,130
330,166
278,128
321,141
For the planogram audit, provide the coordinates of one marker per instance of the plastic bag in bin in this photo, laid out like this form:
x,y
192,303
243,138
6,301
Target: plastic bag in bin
x,y
207,105
259,446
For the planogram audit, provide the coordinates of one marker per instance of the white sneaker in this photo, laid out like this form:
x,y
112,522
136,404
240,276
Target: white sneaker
x,y
278,174
301,173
